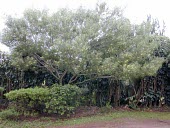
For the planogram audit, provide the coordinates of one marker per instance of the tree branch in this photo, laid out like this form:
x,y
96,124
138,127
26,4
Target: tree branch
x,y
73,78
37,57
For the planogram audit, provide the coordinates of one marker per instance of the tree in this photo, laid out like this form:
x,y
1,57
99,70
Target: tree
x,y
127,51
59,42
99,43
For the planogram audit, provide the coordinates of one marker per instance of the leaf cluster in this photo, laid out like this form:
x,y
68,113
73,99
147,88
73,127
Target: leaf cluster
x,y
63,99
30,99
58,99
101,42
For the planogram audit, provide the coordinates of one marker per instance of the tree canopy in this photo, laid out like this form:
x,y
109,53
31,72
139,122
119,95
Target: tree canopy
x,y
96,43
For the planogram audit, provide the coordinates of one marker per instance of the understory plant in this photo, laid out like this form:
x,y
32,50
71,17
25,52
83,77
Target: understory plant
x,y
63,99
29,100
59,99
9,114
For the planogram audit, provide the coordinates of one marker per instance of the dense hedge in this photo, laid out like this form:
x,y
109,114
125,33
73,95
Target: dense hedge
x,y
57,99
30,99
63,99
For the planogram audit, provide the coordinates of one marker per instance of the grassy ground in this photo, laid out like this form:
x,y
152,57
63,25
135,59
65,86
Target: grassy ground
x,y
45,122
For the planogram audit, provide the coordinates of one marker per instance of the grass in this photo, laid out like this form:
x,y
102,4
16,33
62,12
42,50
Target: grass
x,y
46,122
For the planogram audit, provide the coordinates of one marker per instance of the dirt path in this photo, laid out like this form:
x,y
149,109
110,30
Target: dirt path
x,y
125,123
150,123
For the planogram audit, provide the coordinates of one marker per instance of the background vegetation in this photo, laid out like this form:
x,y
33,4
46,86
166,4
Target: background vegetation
x,y
91,57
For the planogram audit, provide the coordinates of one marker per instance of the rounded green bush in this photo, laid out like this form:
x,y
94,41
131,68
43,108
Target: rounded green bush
x,y
63,99
58,99
30,99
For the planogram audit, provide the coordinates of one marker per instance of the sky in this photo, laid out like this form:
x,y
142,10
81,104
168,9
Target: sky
x,y
135,10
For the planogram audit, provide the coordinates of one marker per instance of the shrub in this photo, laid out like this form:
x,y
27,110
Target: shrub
x,y
63,99
9,114
58,99
30,99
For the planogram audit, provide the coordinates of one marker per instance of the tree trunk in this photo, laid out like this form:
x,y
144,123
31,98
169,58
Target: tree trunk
x,y
110,91
116,95
155,90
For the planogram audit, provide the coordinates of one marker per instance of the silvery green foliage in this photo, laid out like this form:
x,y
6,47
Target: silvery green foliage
x,y
100,42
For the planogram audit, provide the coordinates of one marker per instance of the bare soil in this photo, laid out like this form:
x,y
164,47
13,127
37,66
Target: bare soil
x,y
125,123
121,122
